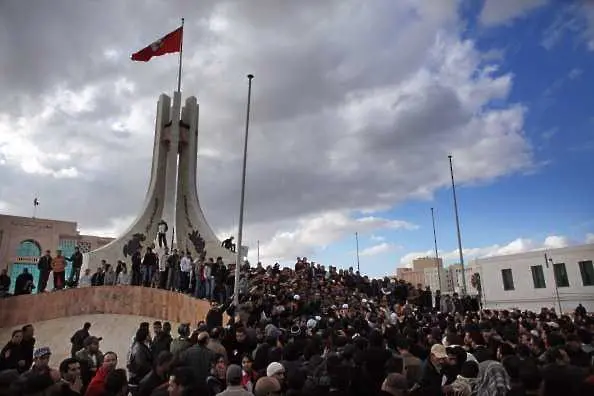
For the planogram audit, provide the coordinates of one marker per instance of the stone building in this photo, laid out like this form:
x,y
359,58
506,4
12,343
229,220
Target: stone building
x,y
24,239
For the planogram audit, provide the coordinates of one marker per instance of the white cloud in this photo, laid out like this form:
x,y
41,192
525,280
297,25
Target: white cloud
x,y
377,238
589,238
321,231
115,227
378,249
354,135
496,12
575,19
519,245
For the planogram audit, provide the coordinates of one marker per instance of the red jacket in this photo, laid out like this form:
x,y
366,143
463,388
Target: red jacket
x,y
95,387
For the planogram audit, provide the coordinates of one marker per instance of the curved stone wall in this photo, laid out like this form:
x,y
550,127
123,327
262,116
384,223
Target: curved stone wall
x,y
122,300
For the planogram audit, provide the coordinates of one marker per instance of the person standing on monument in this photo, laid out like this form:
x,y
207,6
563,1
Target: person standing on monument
x,y
185,266
136,265
173,272
162,229
59,270
76,259
149,263
44,265
163,269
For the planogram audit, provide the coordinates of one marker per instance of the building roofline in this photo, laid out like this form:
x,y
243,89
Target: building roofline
x,y
535,253
13,217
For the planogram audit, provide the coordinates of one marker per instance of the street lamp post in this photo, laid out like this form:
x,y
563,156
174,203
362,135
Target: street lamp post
x,y
458,228
436,252
242,202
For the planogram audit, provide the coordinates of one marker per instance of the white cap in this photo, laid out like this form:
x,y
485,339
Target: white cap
x,y
296,297
364,301
311,323
345,306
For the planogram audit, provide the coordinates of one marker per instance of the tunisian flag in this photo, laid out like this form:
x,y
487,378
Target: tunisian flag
x,y
167,44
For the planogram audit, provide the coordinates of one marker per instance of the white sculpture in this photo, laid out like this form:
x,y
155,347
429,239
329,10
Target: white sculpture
x,y
171,202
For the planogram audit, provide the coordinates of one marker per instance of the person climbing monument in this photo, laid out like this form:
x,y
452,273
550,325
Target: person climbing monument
x,y
228,244
162,229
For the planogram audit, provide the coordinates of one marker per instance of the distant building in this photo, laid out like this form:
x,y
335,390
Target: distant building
x,y
422,263
24,239
411,276
527,280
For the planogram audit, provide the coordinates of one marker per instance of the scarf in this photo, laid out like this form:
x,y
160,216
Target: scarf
x,y
493,380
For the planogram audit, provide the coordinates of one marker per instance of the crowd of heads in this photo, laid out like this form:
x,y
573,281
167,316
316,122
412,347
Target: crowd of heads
x,y
311,330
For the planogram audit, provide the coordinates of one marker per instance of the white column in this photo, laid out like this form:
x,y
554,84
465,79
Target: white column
x,y
171,172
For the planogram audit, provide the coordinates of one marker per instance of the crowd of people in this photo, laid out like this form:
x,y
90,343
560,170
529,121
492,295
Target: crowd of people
x,y
311,330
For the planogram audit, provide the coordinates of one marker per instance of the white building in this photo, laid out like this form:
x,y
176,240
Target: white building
x,y
455,280
527,280
432,279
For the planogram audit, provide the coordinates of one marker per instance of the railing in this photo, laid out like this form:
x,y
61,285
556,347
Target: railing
x,y
123,300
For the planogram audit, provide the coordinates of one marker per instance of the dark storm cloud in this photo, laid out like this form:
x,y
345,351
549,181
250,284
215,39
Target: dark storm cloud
x,y
341,120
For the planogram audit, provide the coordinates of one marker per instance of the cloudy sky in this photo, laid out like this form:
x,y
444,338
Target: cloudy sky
x,y
356,106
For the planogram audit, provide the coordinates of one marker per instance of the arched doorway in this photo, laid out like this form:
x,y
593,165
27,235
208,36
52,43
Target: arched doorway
x,y
27,255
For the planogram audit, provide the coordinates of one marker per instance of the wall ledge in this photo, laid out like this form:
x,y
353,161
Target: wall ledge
x,y
122,300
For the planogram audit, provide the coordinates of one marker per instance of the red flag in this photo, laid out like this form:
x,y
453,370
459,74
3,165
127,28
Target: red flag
x,y
167,44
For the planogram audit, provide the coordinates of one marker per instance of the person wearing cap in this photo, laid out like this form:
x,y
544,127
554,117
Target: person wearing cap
x,y
234,388
277,371
90,358
431,377
78,339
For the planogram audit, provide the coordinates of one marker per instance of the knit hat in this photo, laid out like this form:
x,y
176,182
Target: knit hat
x,y
41,352
274,368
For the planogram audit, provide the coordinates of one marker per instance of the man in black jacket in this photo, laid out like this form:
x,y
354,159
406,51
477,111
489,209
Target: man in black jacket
x,y
76,259
44,265
198,358
78,339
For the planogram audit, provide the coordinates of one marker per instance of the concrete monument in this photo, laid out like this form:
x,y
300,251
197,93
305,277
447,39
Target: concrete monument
x,y
171,213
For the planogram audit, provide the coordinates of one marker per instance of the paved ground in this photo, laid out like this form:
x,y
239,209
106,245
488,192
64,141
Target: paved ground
x,y
117,332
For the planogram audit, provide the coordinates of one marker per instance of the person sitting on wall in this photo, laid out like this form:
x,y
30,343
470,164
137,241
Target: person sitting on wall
x,y
228,244
24,283
162,228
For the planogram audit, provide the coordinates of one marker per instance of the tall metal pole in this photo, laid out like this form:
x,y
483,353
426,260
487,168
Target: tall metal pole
x,y
436,253
241,205
458,228
357,242
547,261
258,252
181,52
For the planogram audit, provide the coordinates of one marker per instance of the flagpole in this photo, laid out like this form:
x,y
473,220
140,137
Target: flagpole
x,y
181,51
357,243
242,202
436,251
458,228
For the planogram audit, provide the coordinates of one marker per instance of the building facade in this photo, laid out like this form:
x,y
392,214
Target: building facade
x,y
24,239
529,281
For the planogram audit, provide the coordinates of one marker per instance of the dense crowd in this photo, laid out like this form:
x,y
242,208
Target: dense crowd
x,y
311,330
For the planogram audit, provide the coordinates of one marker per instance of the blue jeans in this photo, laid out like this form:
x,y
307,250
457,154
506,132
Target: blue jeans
x,y
200,287
147,275
209,288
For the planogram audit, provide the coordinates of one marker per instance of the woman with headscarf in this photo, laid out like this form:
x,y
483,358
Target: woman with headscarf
x,y
493,380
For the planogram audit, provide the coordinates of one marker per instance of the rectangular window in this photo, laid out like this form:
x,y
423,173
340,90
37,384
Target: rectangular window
x,y
508,279
538,277
560,272
587,271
